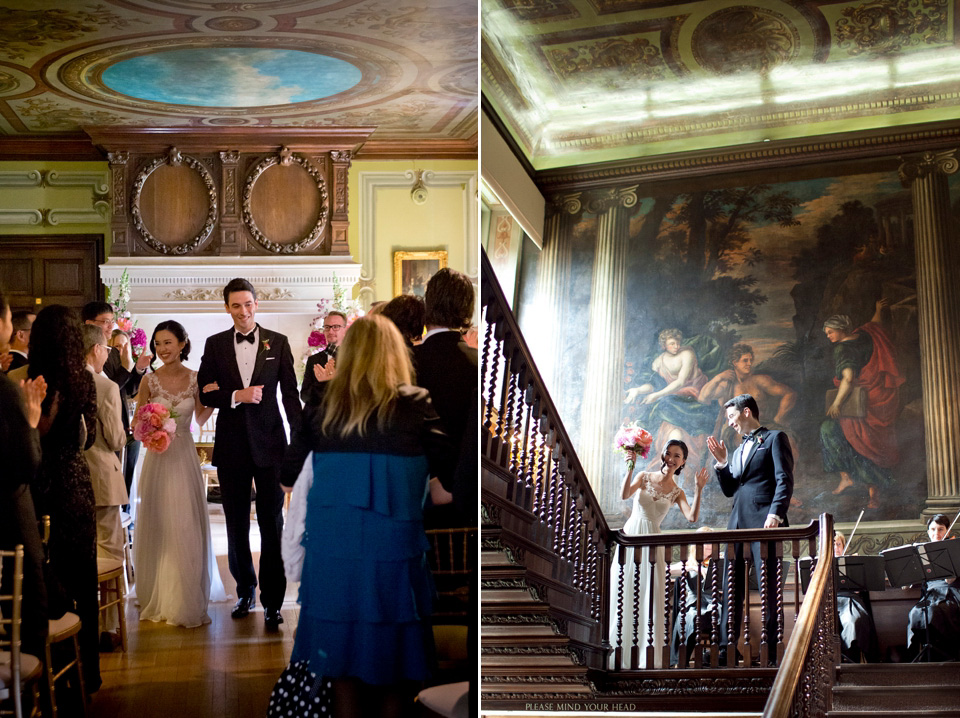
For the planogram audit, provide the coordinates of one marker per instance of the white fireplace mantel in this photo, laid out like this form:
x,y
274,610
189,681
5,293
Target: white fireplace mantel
x,y
174,285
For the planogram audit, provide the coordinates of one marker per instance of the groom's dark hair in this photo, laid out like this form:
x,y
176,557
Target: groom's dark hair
x,y
238,285
744,401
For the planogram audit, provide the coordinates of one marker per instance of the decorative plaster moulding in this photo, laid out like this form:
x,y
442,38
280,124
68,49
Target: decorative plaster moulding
x,y
285,285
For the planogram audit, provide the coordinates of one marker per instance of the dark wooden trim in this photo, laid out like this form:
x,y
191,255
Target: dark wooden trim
x,y
246,139
65,148
427,149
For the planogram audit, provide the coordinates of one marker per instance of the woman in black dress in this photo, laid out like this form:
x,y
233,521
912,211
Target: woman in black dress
x,y
858,634
938,613
62,487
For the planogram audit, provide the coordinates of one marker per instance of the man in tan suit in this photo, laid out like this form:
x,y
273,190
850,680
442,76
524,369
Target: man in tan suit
x,y
106,475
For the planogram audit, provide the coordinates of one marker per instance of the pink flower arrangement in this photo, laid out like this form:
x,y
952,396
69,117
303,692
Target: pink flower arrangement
x,y
138,341
124,324
154,425
633,437
316,339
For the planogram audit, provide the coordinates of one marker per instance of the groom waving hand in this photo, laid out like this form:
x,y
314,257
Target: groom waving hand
x,y
242,368
758,475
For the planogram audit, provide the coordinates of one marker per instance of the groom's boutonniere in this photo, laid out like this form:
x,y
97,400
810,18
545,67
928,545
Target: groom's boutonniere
x,y
266,345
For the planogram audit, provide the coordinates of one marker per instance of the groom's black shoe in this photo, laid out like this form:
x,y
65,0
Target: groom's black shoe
x,y
272,617
243,607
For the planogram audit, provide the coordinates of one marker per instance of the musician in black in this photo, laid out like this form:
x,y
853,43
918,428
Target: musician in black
x,y
935,619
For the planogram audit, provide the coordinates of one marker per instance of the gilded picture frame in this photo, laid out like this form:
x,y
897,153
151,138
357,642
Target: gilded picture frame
x,y
412,270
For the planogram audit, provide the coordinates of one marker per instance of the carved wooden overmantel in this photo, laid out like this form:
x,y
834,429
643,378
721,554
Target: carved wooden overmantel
x,y
229,193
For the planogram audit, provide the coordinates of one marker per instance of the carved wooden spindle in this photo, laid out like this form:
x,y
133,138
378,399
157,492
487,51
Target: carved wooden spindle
x,y
796,579
596,597
635,556
780,627
559,525
488,370
747,649
667,583
715,626
651,587
764,608
541,475
618,652
729,598
550,500
516,437
492,392
682,611
526,453
506,412
575,556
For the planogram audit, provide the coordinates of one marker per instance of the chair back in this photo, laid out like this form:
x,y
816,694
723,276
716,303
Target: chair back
x,y
11,597
452,556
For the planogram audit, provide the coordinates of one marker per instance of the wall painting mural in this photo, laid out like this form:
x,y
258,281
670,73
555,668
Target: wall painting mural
x,y
728,291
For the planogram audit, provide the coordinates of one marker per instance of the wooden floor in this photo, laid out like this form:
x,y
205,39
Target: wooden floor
x,y
226,668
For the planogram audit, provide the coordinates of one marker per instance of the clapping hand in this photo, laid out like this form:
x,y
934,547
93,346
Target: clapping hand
x,y
34,391
327,371
143,361
6,359
718,449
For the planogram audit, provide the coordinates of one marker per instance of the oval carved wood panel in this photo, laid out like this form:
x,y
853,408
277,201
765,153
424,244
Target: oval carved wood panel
x,y
285,203
174,204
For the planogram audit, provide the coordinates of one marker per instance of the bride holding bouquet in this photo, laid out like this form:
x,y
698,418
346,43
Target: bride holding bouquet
x,y
177,574
653,493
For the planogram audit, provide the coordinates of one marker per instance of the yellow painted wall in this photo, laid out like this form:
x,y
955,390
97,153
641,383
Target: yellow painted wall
x,y
38,198
402,225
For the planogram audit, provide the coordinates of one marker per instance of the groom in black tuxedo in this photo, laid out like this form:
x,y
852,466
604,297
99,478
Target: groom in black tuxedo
x,y
242,368
759,478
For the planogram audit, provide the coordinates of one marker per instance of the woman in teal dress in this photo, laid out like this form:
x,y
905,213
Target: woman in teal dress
x,y
366,589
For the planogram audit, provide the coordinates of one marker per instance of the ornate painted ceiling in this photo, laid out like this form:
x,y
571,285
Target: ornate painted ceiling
x,y
586,81
407,68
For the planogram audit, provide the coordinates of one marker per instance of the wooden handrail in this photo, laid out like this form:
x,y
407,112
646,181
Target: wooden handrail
x,y
804,661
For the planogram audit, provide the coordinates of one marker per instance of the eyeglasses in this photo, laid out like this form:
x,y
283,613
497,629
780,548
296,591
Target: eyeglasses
x,y
103,322
332,327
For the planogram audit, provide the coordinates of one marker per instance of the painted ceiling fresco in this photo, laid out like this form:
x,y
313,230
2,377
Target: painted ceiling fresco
x,y
407,68
584,81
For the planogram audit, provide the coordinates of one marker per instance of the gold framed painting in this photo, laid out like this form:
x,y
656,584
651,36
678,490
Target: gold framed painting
x,y
412,270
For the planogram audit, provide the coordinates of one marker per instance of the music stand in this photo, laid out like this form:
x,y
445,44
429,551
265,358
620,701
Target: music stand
x,y
850,573
920,563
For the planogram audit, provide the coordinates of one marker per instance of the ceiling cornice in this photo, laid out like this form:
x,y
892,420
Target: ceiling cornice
x,y
765,155
248,139
419,149
52,148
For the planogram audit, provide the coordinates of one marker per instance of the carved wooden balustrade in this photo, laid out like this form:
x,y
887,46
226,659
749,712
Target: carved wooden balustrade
x,y
708,556
533,485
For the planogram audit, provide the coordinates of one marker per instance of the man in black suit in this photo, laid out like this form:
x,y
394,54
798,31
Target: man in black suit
x,y
759,478
447,368
20,339
334,327
239,374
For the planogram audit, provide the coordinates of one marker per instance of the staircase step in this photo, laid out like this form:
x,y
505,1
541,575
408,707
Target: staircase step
x,y
553,662
518,632
504,639
894,698
536,687
898,674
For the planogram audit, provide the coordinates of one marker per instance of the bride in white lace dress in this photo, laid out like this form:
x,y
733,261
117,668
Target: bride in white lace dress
x,y
654,493
177,574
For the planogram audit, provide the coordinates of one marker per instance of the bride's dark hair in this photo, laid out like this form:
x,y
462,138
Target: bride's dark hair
x,y
175,328
663,454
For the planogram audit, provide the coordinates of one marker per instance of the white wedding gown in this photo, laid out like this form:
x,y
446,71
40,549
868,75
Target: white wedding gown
x,y
649,509
176,568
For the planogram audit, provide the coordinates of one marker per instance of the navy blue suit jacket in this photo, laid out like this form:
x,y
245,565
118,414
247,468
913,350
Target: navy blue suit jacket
x,y
764,486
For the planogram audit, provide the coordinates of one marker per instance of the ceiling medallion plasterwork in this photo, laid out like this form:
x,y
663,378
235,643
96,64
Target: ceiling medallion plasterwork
x,y
285,157
82,74
174,158
24,30
883,27
744,38
609,62
232,24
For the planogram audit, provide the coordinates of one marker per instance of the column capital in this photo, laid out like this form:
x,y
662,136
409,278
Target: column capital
x,y
926,163
601,200
569,203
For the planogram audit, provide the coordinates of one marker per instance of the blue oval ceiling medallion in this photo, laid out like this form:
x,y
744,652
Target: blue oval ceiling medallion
x,y
231,77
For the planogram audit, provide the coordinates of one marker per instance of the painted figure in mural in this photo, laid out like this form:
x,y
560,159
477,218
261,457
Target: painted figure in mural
x,y
670,394
941,604
653,494
759,479
863,448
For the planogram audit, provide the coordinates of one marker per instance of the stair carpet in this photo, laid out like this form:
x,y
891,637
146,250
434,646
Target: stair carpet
x,y
878,690
522,651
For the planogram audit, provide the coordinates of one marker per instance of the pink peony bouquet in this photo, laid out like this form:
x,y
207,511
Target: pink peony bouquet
x,y
633,437
138,341
154,425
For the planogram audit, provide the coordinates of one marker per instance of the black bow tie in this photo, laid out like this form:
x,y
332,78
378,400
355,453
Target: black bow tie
x,y
331,350
755,434
246,337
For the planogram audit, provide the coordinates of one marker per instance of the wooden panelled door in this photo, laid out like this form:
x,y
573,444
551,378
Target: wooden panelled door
x,y
38,270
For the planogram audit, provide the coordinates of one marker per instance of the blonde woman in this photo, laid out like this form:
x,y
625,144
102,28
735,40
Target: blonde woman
x,y
366,588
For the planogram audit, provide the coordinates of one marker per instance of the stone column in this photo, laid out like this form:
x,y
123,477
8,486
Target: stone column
x,y
553,275
603,384
938,300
